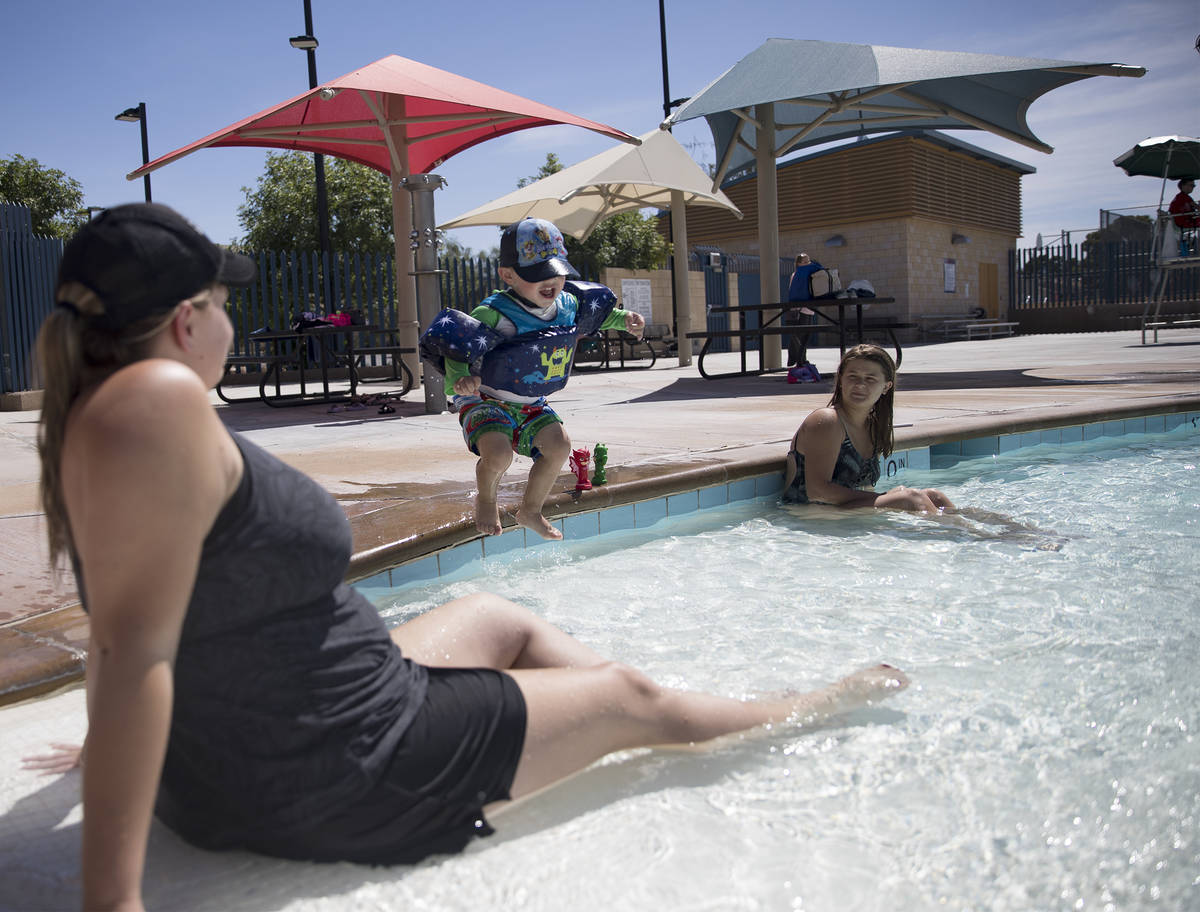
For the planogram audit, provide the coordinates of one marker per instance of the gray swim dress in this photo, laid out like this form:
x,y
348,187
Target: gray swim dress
x,y
299,729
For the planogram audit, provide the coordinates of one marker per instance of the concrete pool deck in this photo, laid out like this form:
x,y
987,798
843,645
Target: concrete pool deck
x,y
405,479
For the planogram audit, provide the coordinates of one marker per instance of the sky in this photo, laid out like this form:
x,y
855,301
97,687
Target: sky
x,y
71,66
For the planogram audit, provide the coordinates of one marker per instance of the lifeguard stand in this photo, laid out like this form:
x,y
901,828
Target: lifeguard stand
x,y
1171,251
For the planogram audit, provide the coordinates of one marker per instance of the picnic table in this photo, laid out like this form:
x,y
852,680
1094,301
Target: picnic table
x,y
610,348
325,348
822,308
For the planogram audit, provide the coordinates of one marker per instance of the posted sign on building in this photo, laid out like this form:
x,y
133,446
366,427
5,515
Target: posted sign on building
x,y
635,296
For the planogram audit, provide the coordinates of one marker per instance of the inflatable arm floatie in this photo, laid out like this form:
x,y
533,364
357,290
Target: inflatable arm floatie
x,y
596,302
534,363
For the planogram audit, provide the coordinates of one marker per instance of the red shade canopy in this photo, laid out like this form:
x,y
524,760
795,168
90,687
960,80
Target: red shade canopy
x,y
394,115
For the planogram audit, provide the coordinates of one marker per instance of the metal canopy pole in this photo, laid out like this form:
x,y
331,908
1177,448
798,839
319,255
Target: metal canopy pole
x,y
424,244
679,280
681,304
768,226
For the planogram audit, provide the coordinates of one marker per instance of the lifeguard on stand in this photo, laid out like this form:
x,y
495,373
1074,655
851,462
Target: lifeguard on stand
x,y
1186,216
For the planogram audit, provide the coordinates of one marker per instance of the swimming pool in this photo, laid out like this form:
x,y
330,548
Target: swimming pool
x,y
1044,757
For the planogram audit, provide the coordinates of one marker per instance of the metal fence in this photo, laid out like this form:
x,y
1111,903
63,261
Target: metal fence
x,y
1071,275
28,266
289,284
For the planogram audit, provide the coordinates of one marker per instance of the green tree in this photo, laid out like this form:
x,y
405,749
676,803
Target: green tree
x,y
54,199
550,166
627,240
281,212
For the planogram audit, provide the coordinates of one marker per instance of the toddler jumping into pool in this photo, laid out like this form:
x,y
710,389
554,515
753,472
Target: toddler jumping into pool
x,y
514,350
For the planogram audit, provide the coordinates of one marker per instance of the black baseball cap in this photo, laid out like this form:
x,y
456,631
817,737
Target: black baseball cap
x,y
534,249
144,258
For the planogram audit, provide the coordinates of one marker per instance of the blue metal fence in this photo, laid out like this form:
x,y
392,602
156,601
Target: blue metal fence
x,y
289,284
28,266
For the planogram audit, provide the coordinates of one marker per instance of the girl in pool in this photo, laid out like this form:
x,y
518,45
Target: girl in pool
x,y
835,452
236,686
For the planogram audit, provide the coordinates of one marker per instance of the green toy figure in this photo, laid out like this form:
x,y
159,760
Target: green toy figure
x,y
599,459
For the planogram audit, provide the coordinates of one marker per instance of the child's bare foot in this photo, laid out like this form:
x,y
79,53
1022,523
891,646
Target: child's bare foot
x,y
534,520
487,516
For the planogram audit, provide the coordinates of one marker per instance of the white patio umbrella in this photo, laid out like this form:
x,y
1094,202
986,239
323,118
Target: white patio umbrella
x,y
657,173
625,177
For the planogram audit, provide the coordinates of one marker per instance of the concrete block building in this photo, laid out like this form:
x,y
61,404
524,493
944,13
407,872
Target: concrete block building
x,y
928,219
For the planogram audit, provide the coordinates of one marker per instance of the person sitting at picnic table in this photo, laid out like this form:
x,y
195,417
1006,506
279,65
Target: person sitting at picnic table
x,y
798,290
1187,216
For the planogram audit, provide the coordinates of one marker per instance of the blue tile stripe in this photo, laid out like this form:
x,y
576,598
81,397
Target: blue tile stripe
x,y
645,513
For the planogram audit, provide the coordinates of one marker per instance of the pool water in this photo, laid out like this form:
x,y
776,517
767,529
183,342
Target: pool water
x,y
1045,756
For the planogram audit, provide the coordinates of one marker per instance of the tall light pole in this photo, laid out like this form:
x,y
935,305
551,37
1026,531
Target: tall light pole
x,y
130,115
308,43
681,323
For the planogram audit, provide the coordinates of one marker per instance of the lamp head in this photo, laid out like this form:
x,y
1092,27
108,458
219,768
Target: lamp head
x,y
304,42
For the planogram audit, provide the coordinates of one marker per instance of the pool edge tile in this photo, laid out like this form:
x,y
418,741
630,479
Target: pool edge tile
x,y
505,543
454,559
617,519
715,496
581,525
648,512
681,504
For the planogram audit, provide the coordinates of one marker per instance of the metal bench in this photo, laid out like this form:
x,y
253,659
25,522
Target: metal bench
x,y
1156,325
609,349
951,327
660,334
990,329
400,370
268,364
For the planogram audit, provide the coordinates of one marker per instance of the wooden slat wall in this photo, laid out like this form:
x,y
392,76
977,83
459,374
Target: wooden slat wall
x,y
903,178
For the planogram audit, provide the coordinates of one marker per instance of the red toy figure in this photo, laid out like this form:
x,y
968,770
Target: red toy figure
x,y
579,465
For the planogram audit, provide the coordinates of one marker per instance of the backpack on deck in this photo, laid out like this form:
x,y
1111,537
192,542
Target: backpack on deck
x,y
824,283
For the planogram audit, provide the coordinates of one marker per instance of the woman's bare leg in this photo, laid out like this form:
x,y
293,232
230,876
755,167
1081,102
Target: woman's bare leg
x,y
484,630
576,716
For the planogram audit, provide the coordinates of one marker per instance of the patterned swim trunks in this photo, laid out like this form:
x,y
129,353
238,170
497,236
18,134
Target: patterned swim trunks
x,y
520,421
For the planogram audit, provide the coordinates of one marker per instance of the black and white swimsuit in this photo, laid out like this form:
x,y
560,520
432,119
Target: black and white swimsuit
x,y
851,470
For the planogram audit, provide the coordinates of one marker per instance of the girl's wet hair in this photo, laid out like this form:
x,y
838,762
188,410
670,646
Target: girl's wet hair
x,y
879,421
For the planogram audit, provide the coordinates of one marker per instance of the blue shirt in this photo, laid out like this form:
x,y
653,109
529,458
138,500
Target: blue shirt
x,y
798,289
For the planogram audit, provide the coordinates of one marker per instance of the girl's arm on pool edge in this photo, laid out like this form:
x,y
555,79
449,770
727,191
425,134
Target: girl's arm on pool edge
x,y
820,439
821,435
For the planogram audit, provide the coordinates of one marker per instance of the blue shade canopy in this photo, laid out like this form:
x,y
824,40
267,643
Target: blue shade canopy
x,y
825,91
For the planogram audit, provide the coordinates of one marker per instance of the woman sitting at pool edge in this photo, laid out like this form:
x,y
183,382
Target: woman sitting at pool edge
x,y
826,463
236,686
